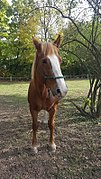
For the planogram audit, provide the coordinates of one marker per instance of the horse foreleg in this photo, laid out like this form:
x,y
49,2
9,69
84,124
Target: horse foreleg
x,y
52,113
34,127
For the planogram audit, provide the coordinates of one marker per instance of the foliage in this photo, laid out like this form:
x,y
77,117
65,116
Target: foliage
x,y
17,49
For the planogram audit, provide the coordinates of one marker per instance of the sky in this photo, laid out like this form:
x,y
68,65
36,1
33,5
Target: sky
x,y
78,12
9,1
84,3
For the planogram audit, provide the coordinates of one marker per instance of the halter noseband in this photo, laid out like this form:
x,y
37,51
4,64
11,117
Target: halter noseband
x,y
53,77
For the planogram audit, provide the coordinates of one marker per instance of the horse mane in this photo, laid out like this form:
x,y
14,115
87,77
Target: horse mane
x,y
47,48
33,69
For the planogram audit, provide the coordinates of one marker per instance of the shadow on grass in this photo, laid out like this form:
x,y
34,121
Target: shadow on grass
x,y
66,110
69,112
15,99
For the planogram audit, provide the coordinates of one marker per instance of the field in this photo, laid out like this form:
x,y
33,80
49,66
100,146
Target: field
x,y
78,140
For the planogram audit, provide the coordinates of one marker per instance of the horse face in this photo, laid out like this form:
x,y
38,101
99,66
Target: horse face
x,y
54,77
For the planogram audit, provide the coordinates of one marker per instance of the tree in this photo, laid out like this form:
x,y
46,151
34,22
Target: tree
x,y
92,43
17,49
50,21
5,12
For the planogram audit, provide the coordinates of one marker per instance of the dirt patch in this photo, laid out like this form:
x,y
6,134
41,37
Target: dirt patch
x,y
78,154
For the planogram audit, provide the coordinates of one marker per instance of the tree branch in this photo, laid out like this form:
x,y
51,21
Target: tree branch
x,y
74,23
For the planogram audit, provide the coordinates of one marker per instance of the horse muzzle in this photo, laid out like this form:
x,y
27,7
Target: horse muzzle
x,y
59,93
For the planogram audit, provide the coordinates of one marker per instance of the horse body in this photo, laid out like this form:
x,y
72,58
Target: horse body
x,y
47,86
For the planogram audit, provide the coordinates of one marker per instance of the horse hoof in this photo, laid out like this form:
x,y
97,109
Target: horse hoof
x,y
35,147
53,147
35,150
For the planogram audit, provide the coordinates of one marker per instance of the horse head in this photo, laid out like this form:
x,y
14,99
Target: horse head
x,y
47,66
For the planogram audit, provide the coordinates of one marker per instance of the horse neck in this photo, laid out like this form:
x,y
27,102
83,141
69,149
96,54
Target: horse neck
x,y
38,81
37,78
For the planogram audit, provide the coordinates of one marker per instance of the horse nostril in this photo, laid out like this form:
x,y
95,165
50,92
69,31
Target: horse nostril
x,y
58,91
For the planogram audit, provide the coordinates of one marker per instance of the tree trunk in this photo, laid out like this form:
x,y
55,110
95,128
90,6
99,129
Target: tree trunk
x,y
99,102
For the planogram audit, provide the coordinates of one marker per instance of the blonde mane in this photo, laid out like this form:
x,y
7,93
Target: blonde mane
x,y
32,70
47,48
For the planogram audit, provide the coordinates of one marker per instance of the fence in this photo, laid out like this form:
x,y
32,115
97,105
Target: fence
x,y
14,79
10,78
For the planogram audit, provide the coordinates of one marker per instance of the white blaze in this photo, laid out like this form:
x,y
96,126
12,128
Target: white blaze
x,y
57,72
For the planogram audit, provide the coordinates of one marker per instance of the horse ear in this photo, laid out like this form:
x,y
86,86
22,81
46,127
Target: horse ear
x,y
57,41
36,43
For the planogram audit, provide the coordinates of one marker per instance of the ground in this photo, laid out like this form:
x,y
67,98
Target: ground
x,y
78,139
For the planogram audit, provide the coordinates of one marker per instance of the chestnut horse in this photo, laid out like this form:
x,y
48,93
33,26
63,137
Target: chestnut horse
x,y
47,86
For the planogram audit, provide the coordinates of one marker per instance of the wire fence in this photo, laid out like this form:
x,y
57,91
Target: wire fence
x,y
11,79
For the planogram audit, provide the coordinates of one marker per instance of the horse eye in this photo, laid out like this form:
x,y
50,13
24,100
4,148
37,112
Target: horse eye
x,y
44,61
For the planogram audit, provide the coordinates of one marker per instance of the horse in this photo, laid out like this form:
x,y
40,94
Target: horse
x,y
47,86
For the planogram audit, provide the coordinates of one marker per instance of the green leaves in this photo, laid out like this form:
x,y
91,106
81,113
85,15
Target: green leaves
x,y
16,31
88,102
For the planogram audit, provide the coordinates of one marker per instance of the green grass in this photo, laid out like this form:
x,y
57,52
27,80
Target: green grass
x,y
14,93
19,90
13,88
78,88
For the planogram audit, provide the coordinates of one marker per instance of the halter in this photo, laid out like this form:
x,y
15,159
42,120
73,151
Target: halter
x,y
46,77
53,77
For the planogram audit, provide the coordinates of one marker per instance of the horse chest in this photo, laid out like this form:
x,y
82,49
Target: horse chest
x,y
48,102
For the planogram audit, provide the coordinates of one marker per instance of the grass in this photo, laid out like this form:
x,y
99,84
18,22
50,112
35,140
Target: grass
x,y
18,91
77,138
14,93
13,88
78,88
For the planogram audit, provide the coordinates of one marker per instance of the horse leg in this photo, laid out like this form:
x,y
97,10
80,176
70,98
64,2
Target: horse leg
x,y
34,127
52,113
